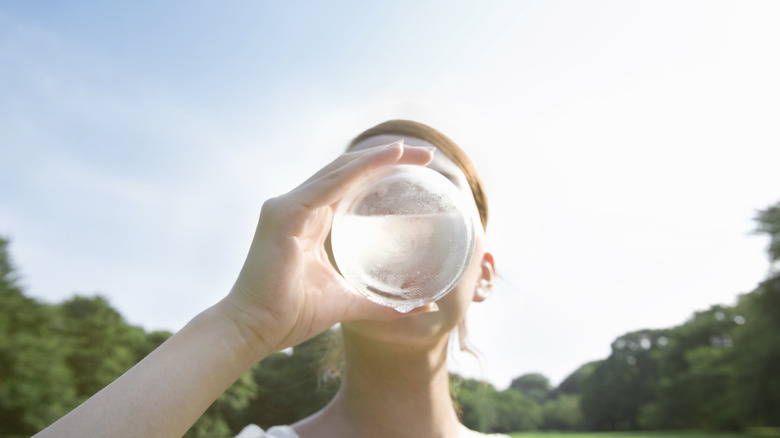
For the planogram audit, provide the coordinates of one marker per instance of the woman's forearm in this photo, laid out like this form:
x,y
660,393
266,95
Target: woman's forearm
x,y
165,393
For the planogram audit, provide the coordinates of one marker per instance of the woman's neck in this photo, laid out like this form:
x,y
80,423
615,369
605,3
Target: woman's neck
x,y
389,390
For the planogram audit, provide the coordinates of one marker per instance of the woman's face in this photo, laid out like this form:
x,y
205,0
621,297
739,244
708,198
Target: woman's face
x,y
430,327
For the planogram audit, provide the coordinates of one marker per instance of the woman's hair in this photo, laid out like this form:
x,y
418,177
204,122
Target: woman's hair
x,y
408,128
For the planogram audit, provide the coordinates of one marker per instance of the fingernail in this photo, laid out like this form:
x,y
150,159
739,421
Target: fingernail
x,y
433,307
393,144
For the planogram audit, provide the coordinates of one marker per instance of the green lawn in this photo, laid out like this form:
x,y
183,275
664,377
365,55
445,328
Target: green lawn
x,y
637,435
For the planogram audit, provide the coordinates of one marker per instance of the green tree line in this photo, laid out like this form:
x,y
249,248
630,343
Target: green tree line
x,y
720,370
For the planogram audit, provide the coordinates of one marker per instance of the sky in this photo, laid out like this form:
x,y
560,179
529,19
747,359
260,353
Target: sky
x,y
625,147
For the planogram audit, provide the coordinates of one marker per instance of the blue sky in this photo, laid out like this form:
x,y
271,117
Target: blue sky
x,y
625,146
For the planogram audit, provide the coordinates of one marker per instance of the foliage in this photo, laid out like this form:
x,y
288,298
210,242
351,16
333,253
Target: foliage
x,y
289,386
533,385
614,392
717,371
216,422
52,357
641,434
485,409
35,381
101,345
768,222
757,355
573,382
563,413
694,386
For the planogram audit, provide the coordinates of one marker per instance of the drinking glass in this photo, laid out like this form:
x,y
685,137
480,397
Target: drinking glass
x,y
403,236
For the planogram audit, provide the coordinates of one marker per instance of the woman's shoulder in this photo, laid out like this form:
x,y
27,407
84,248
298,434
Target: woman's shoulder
x,y
254,431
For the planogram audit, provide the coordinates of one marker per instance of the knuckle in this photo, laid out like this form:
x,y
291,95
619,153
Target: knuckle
x,y
274,209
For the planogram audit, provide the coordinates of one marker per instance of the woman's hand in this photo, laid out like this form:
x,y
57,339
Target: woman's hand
x,y
287,290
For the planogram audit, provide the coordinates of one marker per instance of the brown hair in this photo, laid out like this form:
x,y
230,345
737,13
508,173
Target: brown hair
x,y
408,128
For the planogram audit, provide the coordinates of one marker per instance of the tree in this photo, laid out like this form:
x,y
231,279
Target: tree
x,y
696,375
470,397
618,387
572,384
101,344
487,410
534,385
757,355
562,410
289,386
54,356
562,413
36,385
217,420
768,222
757,350
513,411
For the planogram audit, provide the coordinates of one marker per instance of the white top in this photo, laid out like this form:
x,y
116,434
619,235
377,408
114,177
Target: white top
x,y
253,431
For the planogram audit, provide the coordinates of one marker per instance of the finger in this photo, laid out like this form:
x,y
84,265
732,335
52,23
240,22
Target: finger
x,y
420,155
410,155
332,186
348,156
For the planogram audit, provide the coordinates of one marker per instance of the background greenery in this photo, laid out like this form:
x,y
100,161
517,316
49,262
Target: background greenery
x,y
717,371
643,434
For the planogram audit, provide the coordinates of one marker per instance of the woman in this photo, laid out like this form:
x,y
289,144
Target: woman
x,y
395,382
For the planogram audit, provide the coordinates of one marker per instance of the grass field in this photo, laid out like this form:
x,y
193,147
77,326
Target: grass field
x,y
640,435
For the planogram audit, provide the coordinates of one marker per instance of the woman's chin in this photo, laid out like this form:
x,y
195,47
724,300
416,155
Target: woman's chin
x,y
423,328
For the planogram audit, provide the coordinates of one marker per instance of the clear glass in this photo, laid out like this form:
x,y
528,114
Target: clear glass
x,y
403,236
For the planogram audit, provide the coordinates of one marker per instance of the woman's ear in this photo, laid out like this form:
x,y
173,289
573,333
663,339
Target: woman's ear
x,y
485,283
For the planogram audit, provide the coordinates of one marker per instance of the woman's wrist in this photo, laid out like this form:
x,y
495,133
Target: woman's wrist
x,y
242,330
